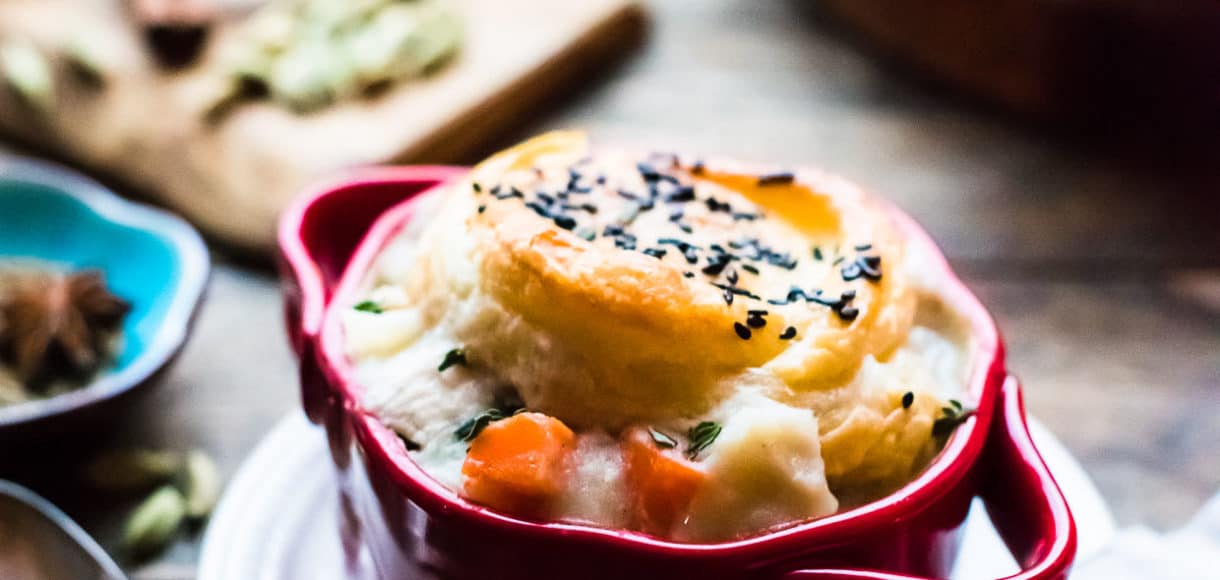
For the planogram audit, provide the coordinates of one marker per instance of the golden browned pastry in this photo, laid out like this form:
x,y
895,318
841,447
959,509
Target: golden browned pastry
x,y
616,291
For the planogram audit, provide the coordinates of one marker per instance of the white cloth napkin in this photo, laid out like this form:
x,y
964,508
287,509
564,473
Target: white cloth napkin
x,y
1190,553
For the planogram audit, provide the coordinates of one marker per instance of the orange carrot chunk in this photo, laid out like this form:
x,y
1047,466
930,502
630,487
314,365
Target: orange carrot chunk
x,y
661,480
517,464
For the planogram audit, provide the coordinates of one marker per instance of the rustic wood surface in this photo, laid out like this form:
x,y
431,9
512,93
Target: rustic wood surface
x,y
1101,262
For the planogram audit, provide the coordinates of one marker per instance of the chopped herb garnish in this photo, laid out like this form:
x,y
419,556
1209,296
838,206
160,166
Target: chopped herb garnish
x,y
908,399
409,444
473,426
662,440
369,306
951,417
701,437
456,356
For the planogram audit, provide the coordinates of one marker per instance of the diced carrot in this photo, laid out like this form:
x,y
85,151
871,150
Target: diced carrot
x,y
662,481
517,464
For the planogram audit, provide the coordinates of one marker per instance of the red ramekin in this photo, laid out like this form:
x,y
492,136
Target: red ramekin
x,y
415,527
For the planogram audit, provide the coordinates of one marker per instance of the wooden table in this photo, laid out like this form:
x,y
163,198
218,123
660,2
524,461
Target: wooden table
x,y
1102,267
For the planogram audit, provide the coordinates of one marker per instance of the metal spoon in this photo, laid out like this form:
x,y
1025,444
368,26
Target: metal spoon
x,y
39,542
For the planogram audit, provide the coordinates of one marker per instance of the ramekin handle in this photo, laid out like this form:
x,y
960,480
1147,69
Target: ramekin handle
x,y
319,232
1024,503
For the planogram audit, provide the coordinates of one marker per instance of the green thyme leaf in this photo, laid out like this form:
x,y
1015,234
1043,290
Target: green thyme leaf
x,y
472,427
456,356
662,440
701,437
369,306
950,418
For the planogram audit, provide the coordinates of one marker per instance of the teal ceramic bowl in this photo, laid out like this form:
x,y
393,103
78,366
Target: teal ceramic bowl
x,y
150,258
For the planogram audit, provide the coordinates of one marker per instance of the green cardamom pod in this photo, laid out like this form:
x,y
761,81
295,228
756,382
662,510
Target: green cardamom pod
x,y
153,524
201,483
132,469
89,59
27,73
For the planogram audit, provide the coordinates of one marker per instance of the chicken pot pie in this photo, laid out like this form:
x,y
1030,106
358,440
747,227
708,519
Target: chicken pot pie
x,y
695,350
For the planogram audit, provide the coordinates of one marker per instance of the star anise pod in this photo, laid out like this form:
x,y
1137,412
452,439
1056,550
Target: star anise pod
x,y
57,325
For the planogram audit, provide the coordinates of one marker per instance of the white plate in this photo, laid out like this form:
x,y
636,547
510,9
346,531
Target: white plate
x,y
279,517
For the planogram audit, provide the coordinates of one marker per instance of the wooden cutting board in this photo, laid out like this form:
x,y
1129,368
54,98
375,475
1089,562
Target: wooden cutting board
x,y
144,128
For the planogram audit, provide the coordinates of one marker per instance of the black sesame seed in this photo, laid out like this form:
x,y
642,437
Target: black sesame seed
x,y
688,274
847,295
690,255
538,208
789,333
780,178
565,222
755,321
477,188
908,399
757,312
728,296
731,276
849,313
741,330
714,204
715,266
685,193
482,208
742,216
612,230
657,253
863,247
546,198
749,268
851,272
648,172
817,253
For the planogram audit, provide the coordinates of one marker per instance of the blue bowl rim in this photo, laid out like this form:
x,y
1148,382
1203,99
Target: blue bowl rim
x,y
188,247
